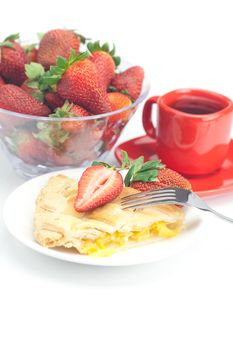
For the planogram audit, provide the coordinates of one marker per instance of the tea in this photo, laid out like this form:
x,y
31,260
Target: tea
x,y
196,105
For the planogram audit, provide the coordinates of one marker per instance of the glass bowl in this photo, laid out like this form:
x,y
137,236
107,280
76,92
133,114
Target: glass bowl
x,y
36,145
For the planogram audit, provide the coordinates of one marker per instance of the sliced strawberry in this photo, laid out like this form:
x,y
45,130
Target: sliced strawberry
x,y
97,186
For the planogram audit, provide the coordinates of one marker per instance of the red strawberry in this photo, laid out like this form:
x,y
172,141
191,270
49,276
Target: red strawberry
x,y
166,178
55,43
97,186
13,59
111,135
130,80
13,98
31,52
34,151
104,60
71,110
118,101
27,147
53,100
81,84
2,82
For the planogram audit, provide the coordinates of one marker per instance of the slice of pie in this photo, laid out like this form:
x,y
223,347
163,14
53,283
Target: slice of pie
x,y
100,231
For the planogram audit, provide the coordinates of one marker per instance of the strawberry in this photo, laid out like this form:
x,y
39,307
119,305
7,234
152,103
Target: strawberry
x,y
53,100
130,80
13,59
2,82
117,101
55,43
13,98
31,52
111,135
34,151
104,60
97,186
26,146
79,82
71,110
151,175
166,178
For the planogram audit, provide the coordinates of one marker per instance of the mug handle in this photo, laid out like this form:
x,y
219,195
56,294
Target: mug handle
x,y
147,117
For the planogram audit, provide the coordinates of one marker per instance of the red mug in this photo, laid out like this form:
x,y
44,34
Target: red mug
x,y
193,129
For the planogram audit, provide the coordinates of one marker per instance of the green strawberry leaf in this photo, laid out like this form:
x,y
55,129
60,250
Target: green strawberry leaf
x,y
34,70
51,134
63,112
29,48
12,37
152,164
39,95
33,84
105,47
125,92
103,163
95,46
7,44
135,167
112,89
117,60
126,163
140,171
40,35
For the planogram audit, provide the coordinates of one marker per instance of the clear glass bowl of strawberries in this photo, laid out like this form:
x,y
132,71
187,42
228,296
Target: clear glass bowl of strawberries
x,y
64,101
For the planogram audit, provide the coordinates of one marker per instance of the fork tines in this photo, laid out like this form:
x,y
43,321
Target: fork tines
x,y
143,199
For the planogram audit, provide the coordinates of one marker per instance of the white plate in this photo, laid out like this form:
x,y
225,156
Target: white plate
x,y
18,217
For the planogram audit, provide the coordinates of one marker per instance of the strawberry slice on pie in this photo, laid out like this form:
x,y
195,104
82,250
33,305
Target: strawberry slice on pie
x,y
98,185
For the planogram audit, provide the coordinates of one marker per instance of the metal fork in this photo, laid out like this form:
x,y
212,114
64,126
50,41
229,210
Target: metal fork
x,y
168,196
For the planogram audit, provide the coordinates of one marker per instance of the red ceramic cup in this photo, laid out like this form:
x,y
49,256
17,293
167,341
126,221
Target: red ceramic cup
x,y
193,129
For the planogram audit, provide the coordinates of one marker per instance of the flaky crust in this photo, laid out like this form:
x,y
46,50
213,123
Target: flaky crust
x,y
57,224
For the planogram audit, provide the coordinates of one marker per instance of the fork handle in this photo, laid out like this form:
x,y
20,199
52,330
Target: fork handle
x,y
221,216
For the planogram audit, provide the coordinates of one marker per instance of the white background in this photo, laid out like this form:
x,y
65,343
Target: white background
x,y
185,302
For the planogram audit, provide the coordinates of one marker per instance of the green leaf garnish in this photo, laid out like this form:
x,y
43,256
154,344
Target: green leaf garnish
x,y
133,170
140,171
126,162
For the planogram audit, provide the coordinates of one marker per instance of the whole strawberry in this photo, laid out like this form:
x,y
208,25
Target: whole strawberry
x,y
104,60
26,146
13,59
117,101
13,98
33,151
71,110
151,175
130,80
55,43
79,82
31,52
53,100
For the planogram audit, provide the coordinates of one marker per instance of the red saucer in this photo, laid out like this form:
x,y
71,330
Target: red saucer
x,y
221,181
